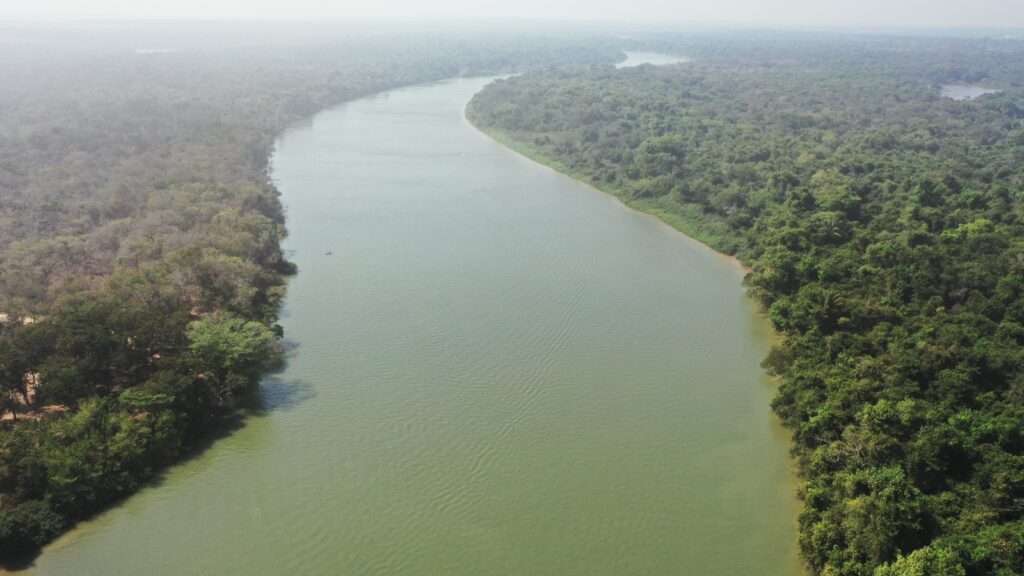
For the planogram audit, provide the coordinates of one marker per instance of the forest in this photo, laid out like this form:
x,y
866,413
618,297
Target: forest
x,y
140,234
884,228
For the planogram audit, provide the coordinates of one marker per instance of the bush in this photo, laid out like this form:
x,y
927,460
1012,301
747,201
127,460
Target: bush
x,y
26,527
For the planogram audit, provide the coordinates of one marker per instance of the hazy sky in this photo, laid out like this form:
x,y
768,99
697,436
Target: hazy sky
x,y
901,13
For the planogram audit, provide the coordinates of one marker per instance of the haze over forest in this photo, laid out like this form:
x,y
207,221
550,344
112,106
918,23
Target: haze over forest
x,y
465,287
842,13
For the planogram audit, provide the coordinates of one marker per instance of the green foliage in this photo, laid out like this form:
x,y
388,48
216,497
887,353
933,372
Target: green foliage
x,y
926,561
230,351
27,526
883,225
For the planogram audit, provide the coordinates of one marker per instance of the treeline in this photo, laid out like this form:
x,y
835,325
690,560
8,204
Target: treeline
x,y
94,137
885,229
140,261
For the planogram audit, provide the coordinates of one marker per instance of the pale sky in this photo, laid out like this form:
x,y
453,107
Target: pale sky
x,y
856,13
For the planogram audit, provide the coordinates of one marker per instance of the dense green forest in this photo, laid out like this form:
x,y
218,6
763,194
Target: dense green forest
x,y
140,234
884,226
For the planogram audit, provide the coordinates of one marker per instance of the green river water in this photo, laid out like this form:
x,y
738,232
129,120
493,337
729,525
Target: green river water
x,y
496,370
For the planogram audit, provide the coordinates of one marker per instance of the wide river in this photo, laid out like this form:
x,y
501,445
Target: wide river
x,y
496,370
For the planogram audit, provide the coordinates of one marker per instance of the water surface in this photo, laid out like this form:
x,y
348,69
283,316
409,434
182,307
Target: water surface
x,y
497,371
966,91
652,58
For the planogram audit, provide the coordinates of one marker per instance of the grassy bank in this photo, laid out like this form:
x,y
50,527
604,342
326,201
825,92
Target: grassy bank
x,y
688,219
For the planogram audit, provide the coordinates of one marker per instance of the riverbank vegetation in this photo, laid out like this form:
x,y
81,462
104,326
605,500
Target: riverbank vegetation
x,y
884,226
140,236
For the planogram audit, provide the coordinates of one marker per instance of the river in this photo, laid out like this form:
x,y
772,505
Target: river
x,y
496,370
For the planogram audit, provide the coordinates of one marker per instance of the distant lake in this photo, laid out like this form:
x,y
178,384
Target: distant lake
x,y
652,58
966,91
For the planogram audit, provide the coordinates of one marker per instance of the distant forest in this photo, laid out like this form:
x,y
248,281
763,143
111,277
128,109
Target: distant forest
x,y
884,225
140,261
141,269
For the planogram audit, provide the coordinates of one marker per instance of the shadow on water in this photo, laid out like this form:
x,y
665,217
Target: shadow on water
x,y
277,393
